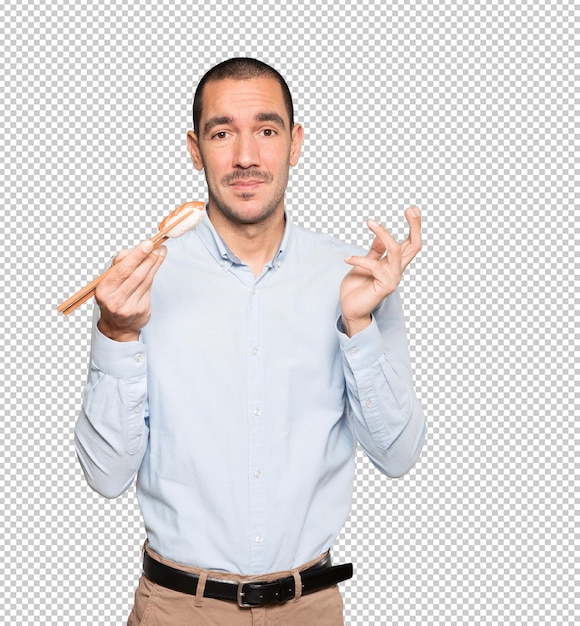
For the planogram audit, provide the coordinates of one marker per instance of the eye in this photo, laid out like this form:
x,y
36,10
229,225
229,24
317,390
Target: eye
x,y
268,132
222,134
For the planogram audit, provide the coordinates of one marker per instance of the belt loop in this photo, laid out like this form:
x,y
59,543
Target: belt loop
x,y
297,585
200,588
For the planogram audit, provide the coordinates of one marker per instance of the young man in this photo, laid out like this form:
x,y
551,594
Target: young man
x,y
236,385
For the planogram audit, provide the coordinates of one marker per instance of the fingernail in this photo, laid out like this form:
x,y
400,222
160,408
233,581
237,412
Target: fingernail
x,y
372,222
161,251
147,246
415,211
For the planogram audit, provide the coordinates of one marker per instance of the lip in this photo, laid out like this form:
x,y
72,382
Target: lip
x,y
246,183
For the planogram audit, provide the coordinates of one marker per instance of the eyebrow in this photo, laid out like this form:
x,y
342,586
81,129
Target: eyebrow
x,y
218,120
270,116
266,116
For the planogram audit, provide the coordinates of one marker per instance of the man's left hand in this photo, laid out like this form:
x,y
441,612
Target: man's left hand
x,y
376,275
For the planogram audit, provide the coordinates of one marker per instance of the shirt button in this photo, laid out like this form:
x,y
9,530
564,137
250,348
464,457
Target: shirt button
x,y
223,262
258,474
139,358
255,351
259,539
257,412
368,403
137,409
278,264
353,352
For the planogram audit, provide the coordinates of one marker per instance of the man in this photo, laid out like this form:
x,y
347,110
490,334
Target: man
x,y
236,385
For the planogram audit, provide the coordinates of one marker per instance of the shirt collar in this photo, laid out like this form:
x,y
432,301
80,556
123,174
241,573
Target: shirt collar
x,y
217,247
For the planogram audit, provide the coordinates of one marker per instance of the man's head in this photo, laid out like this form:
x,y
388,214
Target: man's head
x,y
245,140
240,68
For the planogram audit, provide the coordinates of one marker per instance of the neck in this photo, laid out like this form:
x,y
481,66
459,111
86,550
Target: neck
x,y
254,244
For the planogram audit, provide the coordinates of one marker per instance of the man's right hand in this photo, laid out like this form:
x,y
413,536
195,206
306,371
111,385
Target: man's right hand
x,y
124,294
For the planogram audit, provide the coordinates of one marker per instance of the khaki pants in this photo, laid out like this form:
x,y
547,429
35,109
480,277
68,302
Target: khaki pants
x,y
158,606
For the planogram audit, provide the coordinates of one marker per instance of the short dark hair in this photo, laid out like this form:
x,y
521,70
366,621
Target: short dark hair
x,y
240,68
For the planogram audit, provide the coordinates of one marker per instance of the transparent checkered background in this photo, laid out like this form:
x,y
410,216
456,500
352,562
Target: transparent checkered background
x,y
464,108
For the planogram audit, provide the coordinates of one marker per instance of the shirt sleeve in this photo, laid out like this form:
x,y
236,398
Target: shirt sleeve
x,y
387,417
111,432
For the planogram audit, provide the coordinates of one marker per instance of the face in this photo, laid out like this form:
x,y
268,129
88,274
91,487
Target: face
x,y
246,146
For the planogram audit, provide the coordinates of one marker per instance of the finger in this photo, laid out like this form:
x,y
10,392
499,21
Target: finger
x,y
120,256
364,262
413,217
130,272
142,276
143,287
383,241
411,246
127,261
377,249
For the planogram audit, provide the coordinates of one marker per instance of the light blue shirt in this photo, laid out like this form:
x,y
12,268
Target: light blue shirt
x,y
240,408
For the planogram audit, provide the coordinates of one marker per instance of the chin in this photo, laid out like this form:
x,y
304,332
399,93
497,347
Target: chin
x,y
252,217
247,210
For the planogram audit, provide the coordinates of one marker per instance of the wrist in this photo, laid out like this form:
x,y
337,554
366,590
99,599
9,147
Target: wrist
x,y
354,326
117,334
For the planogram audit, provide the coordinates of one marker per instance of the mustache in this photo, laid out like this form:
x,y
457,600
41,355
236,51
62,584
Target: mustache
x,y
251,174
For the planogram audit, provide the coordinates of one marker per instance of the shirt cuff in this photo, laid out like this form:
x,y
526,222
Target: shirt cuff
x,y
121,359
363,349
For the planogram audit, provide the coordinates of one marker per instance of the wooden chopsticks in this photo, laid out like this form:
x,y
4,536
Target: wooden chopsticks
x,y
88,291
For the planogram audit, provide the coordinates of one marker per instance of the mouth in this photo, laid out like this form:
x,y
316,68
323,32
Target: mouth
x,y
246,185
246,180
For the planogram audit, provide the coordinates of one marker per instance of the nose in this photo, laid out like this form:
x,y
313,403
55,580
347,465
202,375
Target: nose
x,y
246,153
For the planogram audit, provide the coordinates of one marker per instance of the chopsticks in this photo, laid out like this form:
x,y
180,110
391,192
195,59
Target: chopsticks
x,y
88,291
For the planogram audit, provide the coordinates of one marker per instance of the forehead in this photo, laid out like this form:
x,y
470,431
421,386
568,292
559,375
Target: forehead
x,y
241,98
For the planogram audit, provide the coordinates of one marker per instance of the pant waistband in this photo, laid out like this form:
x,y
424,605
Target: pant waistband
x,y
249,592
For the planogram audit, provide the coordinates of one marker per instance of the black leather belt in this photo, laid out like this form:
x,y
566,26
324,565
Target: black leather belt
x,y
248,593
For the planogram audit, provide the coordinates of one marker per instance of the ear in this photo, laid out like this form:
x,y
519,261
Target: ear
x,y
194,151
296,146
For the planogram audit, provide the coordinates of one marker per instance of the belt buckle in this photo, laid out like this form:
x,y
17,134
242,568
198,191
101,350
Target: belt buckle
x,y
241,603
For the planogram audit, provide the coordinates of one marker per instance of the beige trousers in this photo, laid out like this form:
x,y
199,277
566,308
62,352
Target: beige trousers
x,y
158,606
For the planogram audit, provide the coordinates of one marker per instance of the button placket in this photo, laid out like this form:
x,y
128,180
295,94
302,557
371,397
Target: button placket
x,y
256,426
